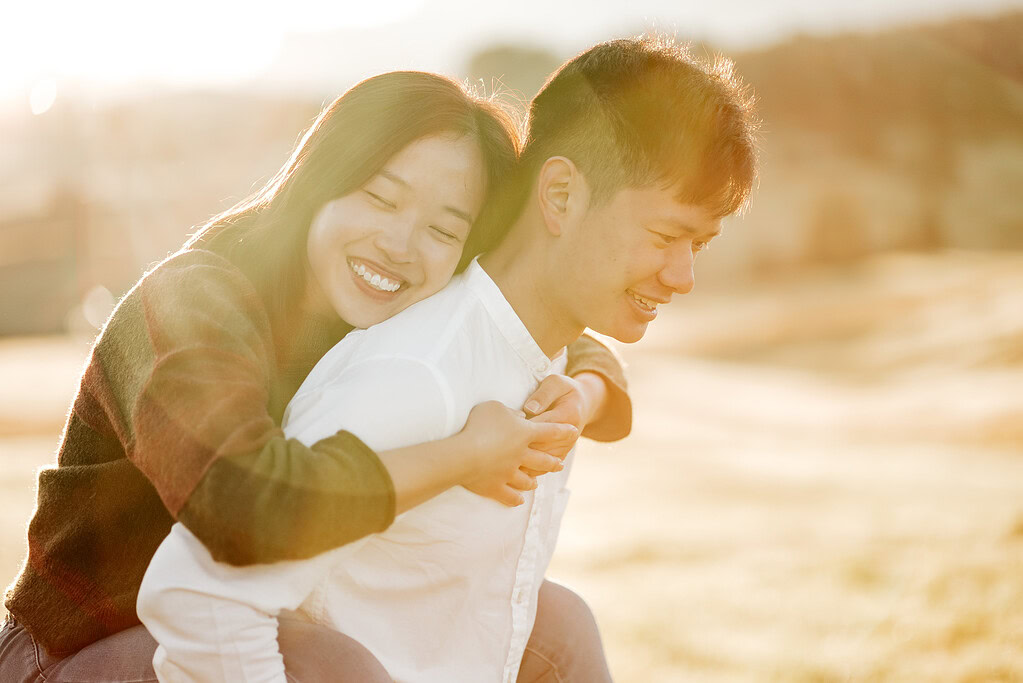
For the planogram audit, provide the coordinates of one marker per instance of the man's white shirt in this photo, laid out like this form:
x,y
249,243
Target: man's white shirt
x,y
449,591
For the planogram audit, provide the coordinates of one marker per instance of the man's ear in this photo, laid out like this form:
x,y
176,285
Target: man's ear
x,y
561,193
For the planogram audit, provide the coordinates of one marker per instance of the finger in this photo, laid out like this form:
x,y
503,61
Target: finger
x,y
531,472
557,451
550,390
553,432
563,412
542,462
522,481
510,497
551,414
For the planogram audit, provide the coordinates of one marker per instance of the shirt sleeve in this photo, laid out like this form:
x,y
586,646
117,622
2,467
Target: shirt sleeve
x,y
586,354
214,621
203,436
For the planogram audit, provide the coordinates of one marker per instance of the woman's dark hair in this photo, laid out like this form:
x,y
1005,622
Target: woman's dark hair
x,y
265,235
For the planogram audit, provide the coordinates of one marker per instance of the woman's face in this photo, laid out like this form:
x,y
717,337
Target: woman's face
x,y
397,239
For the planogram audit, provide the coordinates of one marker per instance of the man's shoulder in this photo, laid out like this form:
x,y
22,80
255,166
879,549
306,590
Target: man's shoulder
x,y
429,328
418,353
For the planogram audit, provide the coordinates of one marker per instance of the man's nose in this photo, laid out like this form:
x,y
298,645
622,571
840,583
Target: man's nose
x,y
397,241
678,271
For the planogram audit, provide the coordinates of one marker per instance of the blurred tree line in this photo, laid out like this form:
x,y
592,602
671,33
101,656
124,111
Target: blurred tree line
x,y
907,139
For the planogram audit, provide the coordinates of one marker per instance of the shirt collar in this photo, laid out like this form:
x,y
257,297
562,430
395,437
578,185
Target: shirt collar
x,y
507,321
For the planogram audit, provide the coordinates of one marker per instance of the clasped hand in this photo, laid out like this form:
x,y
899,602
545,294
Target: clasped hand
x,y
517,446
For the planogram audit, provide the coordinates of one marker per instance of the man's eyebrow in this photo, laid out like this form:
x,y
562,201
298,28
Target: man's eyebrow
x,y
690,229
458,213
714,233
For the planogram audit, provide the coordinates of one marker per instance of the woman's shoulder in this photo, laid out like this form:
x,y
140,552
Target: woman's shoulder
x,y
201,264
192,295
198,280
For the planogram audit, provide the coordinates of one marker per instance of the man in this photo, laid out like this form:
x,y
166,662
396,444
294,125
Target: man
x,y
635,153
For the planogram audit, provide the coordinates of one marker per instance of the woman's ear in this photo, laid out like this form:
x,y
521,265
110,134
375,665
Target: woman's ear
x,y
560,187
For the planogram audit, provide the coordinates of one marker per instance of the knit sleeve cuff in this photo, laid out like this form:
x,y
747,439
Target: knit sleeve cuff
x,y
589,355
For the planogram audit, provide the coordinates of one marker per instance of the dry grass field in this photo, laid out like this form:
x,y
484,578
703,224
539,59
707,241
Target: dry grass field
x,y
824,480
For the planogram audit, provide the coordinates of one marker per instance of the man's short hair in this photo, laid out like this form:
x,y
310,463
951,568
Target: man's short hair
x,y
641,112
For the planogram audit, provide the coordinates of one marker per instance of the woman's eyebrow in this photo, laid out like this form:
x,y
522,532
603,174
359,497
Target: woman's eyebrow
x,y
393,177
459,213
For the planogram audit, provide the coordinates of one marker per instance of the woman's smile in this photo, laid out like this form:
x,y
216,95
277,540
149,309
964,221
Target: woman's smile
x,y
376,278
397,239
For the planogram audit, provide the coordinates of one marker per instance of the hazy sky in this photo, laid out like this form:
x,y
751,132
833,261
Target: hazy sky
x,y
114,44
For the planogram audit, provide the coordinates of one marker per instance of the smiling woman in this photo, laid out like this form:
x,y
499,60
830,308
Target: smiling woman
x,y
178,415
387,181
401,236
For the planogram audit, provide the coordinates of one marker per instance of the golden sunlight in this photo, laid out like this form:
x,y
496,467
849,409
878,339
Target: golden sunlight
x,y
118,43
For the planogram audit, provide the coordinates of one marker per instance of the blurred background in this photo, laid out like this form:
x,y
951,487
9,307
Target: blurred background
x,y
825,477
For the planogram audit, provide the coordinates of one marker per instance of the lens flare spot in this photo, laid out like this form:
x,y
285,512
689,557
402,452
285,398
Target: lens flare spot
x,y
98,305
42,96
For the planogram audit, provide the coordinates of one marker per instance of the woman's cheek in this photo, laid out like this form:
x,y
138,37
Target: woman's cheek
x,y
439,260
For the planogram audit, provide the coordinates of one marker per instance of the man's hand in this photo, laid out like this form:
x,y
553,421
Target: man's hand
x,y
511,451
576,401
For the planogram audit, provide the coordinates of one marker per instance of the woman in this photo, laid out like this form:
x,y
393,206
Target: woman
x,y
179,410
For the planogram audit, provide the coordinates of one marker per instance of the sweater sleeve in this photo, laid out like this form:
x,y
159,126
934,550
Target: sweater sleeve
x,y
586,354
217,622
204,437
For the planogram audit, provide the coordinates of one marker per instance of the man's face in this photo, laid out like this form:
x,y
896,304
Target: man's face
x,y
630,255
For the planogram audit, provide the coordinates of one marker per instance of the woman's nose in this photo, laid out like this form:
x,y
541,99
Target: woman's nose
x,y
397,241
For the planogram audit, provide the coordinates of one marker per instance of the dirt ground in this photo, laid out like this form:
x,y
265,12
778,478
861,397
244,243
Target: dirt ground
x,y
824,480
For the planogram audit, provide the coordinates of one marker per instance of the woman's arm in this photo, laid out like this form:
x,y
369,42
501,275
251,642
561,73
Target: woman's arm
x,y
192,370
214,621
192,364
485,457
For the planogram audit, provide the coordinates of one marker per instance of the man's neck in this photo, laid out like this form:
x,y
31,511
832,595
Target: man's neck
x,y
521,272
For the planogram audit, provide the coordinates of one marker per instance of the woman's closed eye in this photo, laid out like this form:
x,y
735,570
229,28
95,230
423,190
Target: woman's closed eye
x,y
380,200
664,238
444,234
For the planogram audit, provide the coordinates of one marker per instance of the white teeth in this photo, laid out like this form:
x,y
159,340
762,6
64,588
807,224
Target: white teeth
x,y
375,280
644,301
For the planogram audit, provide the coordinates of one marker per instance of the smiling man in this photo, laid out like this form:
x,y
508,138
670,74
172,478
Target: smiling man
x,y
635,153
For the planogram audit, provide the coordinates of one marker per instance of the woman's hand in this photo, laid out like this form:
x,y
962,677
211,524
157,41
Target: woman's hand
x,y
559,399
510,451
